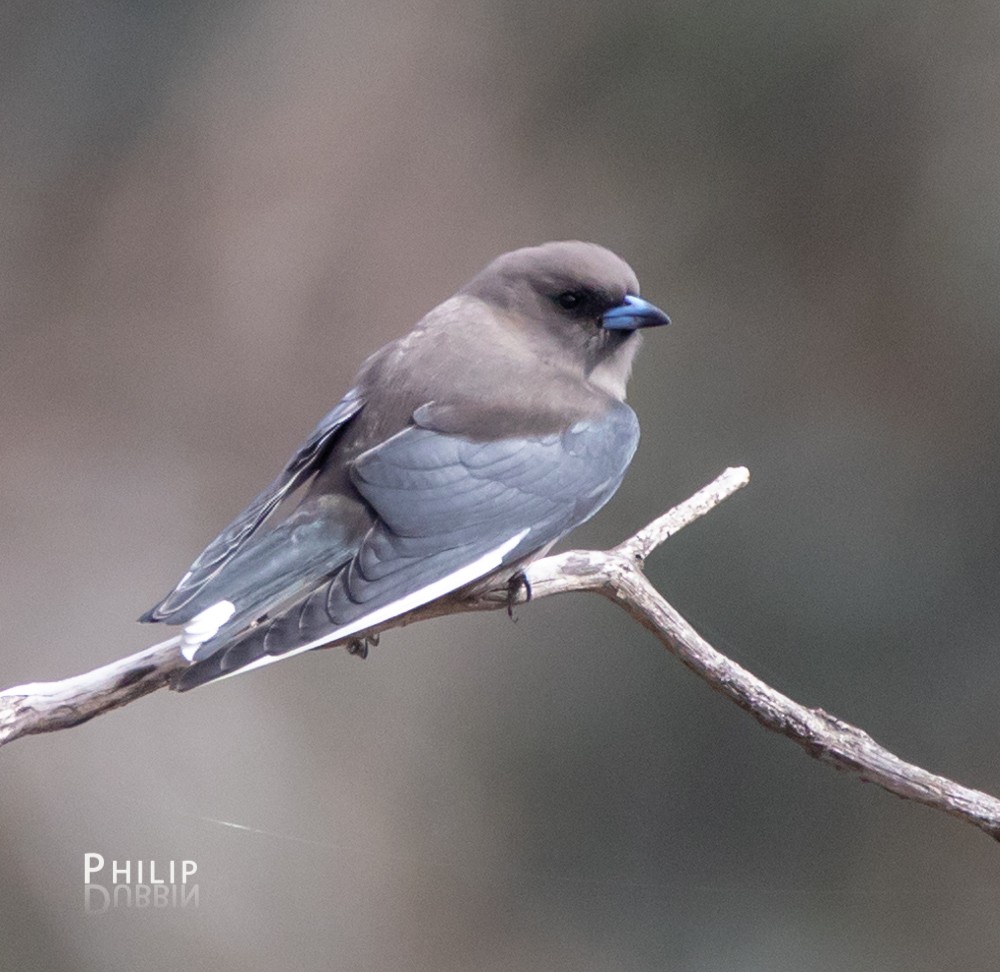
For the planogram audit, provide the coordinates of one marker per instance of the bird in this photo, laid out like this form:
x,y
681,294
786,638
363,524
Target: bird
x,y
463,451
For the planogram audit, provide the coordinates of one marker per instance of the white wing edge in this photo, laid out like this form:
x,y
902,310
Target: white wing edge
x,y
424,595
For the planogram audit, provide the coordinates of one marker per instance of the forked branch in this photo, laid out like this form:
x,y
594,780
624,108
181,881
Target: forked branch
x,y
617,574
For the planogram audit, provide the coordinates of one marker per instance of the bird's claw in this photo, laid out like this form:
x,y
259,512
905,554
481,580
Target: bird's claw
x,y
515,585
360,646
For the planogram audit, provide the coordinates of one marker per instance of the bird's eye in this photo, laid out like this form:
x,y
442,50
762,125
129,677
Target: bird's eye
x,y
570,299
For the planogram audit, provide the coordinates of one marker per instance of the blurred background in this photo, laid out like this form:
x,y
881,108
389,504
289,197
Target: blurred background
x,y
213,212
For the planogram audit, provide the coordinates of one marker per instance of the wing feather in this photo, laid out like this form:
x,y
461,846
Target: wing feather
x,y
222,550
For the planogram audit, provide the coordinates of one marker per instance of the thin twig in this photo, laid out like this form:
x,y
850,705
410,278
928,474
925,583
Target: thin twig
x,y
664,527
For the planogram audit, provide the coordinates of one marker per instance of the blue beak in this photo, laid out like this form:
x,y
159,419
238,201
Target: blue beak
x,y
631,313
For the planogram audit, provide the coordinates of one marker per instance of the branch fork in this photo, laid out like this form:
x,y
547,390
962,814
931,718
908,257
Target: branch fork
x,y
617,574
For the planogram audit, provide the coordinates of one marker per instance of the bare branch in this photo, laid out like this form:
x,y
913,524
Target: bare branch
x,y
822,735
47,706
664,527
617,575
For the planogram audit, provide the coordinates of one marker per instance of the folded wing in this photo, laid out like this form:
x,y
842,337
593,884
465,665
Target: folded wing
x,y
449,510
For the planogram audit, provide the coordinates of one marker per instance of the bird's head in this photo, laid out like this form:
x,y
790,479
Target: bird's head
x,y
575,299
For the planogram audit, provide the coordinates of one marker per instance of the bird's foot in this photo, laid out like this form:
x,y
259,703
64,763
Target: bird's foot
x,y
515,585
360,646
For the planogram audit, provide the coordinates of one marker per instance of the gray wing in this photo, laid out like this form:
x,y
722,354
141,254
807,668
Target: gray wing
x,y
450,510
183,602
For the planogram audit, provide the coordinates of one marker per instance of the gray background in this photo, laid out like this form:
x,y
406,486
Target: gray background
x,y
212,212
